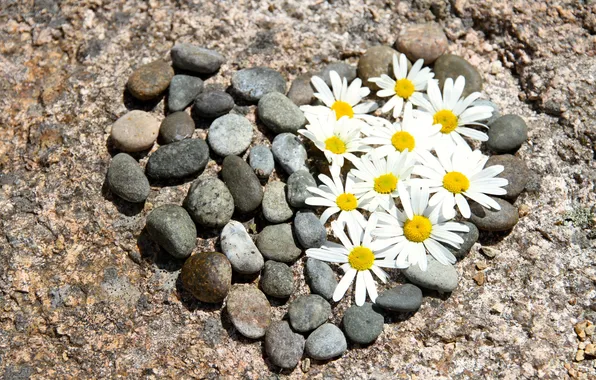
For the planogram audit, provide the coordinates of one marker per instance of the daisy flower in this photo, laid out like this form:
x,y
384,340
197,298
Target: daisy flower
x,y
457,174
382,179
405,87
343,100
358,260
452,112
407,237
337,139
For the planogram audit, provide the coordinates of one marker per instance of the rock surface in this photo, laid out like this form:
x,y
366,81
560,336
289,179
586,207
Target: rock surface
x,y
320,278
422,41
208,276
494,220
437,276
514,171
196,59
469,237
276,242
308,312
239,248
283,346
135,131
298,183
178,160
507,134
251,84
301,91
362,324
261,160
172,228
343,69
401,298
212,104
209,202
127,180
249,310
326,342
242,183
277,279
452,66
150,80
309,230
183,90
176,126
376,60
275,207
280,114
289,152
230,135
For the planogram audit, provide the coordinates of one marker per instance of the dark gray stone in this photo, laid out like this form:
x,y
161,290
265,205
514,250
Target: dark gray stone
x,y
178,160
230,135
183,90
242,183
212,104
301,91
298,183
172,228
239,248
280,114
452,66
249,310
494,220
196,59
277,243
283,346
275,207
251,84
127,180
261,160
343,69
308,312
176,126
436,277
320,278
507,134
469,237
209,202
309,230
277,279
289,152
362,324
326,342
514,170
402,298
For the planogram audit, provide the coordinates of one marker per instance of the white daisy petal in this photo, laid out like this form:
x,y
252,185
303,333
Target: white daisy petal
x,y
344,284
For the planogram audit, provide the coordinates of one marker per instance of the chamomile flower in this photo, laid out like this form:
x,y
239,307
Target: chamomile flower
x,y
337,139
382,179
457,174
405,87
452,112
407,237
357,258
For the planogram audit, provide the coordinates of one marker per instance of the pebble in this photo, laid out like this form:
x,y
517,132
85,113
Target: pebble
x,y
494,220
242,183
183,90
426,41
149,81
280,114
298,183
230,135
362,324
239,248
469,237
452,66
249,311
326,342
307,312
289,152
284,347
171,227
178,160
275,207
212,104
127,180
251,84
376,60
277,279
301,91
196,59
496,112
135,131
309,230
176,126
514,170
489,252
261,160
507,134
437,276
209,202
320,278
276,242
208,276
343,69
402,298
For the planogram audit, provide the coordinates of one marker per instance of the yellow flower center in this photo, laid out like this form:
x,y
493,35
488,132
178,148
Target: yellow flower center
x,y
404,88
417,229
402,141
335,145
385,184
447,119
342,109
346,202
361,258
456,182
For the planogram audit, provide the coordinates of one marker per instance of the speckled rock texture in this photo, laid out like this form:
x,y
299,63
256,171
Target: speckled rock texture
x,y
82,292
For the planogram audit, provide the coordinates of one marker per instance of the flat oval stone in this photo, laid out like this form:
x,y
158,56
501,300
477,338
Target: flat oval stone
x,y
326,342
276,242
343,69
251,84
172,228
507,134
183,90
127,180
422,41
178,160
436,277
514,170
212,104
176,126
280,114
469,237
375,61
320,278
309,230
277,279
230,135
362,324
298,183
196,59
150,80
289,152
208,276
308,312
239,248
494,220
249,310
135,131
275,207
301,92
284,347
242,183
209,202
402,298
261,160
452,66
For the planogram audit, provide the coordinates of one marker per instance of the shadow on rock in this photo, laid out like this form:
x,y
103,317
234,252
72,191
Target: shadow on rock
x,y
190,302
124,207
152,253
131,103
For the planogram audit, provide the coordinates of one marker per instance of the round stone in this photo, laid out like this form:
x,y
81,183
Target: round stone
x,y
212,104
308,312
230,135
301,92
401,298
280,114
298,183
309,230
251,84
507,134
496,113
494,220
209,202
239,248
196,59
289,152
249,311
326,342
276,242
261,160
436,277
284,347
277,279
320,278
422,41
363,324
376,60
514,170
343,69
172,228
176,126
150,80
135,131
127,180
183,90
242,183
275,207
452,66
469,237
208,276
178,160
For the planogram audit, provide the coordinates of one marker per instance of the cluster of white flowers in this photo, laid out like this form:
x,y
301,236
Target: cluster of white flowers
x,y
385,200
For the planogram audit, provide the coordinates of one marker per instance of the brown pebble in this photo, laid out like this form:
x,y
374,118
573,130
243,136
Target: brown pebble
x,y
208,276
426,41
579,356
489,252
150,80
590,350
479,278
481,265
376,60
590,329
523,210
